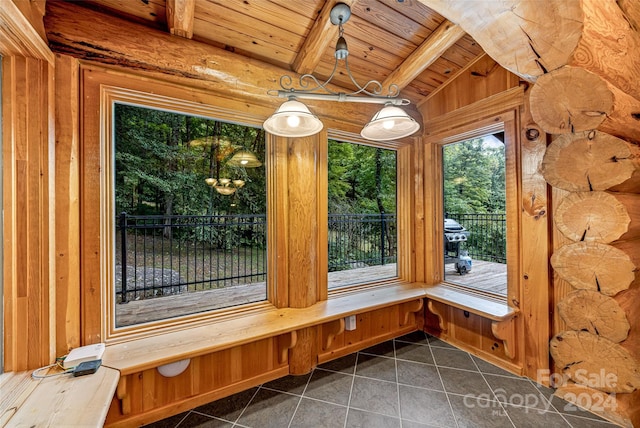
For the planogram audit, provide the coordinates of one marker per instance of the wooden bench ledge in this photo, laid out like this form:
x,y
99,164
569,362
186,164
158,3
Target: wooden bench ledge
x,y
501,314
60,401
485,307
153,351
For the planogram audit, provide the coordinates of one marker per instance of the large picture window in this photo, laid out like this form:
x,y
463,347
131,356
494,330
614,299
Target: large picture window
x,y
189,222
474,200
362,231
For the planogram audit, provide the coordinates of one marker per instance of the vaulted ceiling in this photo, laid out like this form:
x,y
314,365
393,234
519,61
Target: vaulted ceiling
x,y
393,41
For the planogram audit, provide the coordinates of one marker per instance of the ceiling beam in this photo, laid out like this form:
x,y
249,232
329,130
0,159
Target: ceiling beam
x,y
180,15
445,36
320,37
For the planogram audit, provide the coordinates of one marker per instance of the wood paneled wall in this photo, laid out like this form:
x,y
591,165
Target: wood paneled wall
x,y
28,184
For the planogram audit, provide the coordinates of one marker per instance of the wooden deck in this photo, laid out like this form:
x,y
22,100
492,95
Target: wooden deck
x,y
486,276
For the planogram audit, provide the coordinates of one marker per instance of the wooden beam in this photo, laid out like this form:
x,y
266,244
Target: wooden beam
x,y
180,15
316,43
445,36
92,36
18,36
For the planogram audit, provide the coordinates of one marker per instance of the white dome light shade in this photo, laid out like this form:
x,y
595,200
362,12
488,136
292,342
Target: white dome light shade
x,y
293,119
389,123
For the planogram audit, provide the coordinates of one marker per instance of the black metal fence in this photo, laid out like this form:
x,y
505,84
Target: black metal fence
x,y
487,240
360,240
162,255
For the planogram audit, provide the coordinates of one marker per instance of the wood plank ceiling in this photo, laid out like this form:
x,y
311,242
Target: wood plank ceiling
x,y
393,41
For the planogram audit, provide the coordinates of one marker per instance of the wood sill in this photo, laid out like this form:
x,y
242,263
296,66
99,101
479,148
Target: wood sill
x,y
58,401
502,316
153,351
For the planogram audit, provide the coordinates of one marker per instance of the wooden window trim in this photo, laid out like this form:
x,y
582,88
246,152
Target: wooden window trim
x,y
159,94
404,202
460,127
100,89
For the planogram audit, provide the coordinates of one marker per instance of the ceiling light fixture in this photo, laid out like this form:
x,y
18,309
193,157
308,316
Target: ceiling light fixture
x,y
294,119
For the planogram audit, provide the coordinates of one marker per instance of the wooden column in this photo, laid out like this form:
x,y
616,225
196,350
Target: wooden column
x,y
534,232
299,183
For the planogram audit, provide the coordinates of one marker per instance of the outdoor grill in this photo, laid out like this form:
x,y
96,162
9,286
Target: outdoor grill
x,y
454,235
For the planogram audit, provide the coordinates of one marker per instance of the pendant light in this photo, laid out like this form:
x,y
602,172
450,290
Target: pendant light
x,y
245,159
293,118
390,123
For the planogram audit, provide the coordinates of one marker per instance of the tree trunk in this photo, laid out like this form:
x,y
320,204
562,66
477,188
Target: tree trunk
x,y
586,310
592,160
594,361
595,266
599,216
572,99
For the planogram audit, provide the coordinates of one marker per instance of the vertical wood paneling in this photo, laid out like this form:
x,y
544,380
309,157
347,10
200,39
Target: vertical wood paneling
x,y
278,224
416,154
406,187
67,215
90,212
27,91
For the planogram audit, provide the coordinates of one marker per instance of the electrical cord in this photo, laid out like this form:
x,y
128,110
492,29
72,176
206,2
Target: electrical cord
x,y
58,364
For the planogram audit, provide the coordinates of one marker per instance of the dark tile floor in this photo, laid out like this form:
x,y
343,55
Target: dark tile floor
x,y
410,382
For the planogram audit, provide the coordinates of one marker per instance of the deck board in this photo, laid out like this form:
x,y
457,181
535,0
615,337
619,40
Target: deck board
x,y
484,276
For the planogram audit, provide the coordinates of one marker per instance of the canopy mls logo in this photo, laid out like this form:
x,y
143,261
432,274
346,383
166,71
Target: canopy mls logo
x,y
602,380
594,400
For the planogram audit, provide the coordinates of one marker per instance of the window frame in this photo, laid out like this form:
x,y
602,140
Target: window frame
x,y
405,158
109,95
506,122
508,153
100,87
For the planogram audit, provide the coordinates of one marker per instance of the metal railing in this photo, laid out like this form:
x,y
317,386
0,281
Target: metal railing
x,y
360,240
162,255
488,235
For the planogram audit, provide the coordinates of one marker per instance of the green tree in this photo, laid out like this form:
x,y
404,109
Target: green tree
x,y
473,177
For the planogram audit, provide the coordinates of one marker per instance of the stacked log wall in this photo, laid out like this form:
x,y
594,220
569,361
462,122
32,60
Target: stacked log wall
x,y
596,259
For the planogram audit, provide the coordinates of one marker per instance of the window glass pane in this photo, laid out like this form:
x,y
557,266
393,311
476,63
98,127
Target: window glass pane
x,y
362,214
190,223
474,213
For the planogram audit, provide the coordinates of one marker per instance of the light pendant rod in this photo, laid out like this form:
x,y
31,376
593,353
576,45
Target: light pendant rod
x,y
341,97
311,88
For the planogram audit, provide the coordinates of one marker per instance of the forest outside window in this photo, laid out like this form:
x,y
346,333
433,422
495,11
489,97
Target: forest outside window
x,y
362,230
475,229
189,218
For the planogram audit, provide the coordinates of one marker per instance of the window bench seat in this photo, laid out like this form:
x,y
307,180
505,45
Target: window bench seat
x,y
501,315
153,351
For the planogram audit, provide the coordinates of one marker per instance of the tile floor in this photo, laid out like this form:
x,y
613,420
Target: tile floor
x,y
413,381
